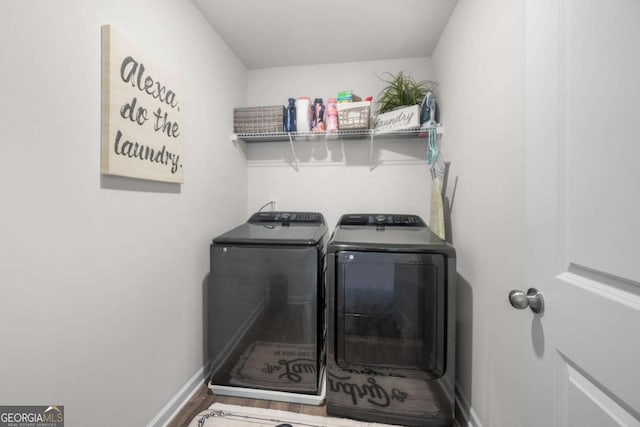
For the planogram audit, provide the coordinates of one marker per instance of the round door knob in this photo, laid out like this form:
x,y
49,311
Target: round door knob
x,y
532,299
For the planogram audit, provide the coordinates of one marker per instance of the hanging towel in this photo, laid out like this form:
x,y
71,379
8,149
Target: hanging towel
x,y
436,221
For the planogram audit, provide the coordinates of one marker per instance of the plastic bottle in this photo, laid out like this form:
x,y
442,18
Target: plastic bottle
x,y
290,121
303,114
332,115
317,120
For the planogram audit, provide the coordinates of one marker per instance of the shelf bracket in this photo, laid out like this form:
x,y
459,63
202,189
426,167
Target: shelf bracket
x,y
293,152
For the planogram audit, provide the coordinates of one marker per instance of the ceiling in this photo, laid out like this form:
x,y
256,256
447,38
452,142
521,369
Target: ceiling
x,y
280,33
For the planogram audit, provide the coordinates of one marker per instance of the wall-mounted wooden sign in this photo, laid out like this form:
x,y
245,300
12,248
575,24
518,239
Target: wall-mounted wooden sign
x,y
142,113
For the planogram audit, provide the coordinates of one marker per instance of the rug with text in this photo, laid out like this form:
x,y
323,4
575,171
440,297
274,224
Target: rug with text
x,y
379,390
277,366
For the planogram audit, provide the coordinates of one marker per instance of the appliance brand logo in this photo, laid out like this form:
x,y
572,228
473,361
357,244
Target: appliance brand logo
x,y
32,416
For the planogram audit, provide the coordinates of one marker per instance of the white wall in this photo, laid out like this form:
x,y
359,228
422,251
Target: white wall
x,y
479,63
102,278
335,177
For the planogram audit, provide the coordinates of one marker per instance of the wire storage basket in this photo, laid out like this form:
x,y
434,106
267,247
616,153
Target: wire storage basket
x,y
354,115
258,119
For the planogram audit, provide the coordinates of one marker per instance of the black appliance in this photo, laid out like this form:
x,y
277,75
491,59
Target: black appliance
x,y
265,308
391,321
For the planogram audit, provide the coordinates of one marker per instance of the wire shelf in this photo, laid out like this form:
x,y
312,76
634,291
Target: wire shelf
x,y
341,134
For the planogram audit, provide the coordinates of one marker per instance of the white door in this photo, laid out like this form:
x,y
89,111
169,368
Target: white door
x,y
583,212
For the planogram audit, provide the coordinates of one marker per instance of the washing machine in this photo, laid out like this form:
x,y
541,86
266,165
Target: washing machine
x,y
391,321
265,308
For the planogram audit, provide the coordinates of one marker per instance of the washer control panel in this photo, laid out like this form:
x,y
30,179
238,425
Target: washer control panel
x,y
382,219
286,217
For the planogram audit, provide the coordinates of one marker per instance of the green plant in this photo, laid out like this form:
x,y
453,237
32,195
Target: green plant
x,y
402,90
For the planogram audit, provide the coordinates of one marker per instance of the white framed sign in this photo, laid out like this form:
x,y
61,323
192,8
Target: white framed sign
x,y
142,113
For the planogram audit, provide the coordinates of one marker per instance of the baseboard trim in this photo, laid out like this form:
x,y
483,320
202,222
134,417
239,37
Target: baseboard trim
x,y
465,415
178,401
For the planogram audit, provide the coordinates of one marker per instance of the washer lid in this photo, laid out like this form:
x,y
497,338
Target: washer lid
x,y
278,228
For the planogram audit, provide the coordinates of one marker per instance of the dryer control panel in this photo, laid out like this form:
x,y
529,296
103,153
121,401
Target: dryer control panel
x,y
286,217
376,220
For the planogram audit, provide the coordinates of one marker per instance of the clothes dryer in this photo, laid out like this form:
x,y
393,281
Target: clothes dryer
x,y
391,321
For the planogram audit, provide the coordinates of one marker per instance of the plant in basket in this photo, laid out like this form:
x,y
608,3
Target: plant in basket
x,y
401,91
398,102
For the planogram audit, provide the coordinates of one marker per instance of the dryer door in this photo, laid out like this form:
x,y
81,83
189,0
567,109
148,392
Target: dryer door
x,y
391,311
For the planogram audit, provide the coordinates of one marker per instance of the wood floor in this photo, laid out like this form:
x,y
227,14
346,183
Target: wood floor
x,y
204,398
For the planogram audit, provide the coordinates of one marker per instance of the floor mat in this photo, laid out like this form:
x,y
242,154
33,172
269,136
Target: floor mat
x,y
223,415
381,391
276,366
